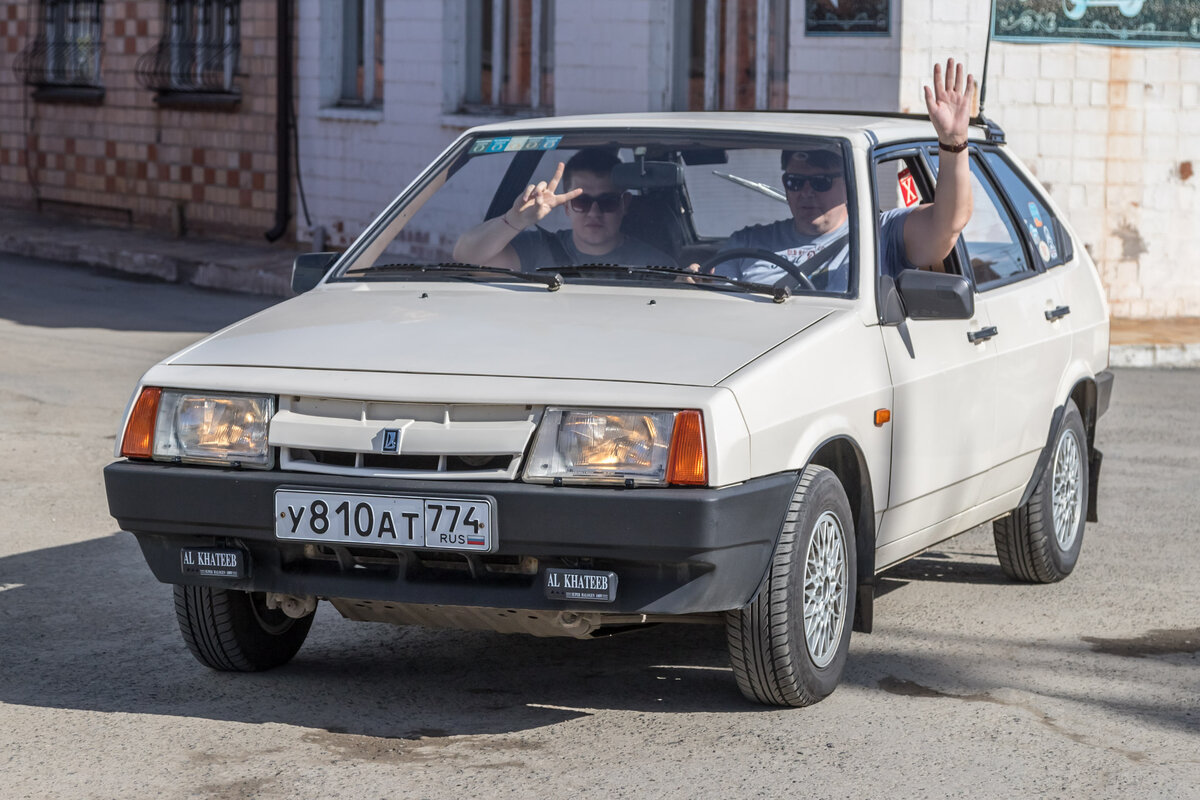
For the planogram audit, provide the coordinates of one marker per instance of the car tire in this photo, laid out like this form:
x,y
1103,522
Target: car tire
x,y
788,646
234,631
1040,541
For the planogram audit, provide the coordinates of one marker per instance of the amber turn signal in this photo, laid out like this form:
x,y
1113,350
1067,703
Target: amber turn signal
x,y
688,465
882,417
139,433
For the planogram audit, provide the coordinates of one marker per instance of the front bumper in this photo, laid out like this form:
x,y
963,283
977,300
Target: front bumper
x,y
675,551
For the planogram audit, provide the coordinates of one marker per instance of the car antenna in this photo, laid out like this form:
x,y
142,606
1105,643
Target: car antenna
x,y
995,133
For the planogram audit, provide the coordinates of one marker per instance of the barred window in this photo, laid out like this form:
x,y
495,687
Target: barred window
x,y
198,51
66,50
509,50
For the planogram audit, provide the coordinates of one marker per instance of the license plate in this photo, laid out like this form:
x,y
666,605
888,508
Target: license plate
x,y
581,584
443,523
212,562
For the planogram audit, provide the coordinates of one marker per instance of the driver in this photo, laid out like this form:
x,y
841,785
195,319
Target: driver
x,y
816,238
594,208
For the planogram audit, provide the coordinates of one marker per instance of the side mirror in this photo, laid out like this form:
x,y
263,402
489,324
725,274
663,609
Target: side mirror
x,y
935,295
309,268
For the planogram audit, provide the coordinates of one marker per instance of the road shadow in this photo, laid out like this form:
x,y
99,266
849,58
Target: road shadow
x,y
86,627
940,566
50,294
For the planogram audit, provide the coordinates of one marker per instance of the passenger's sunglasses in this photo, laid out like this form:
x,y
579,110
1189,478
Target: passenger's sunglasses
x,y
608,202
794,181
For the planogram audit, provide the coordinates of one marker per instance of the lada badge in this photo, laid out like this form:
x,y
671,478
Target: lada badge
x,y
391,440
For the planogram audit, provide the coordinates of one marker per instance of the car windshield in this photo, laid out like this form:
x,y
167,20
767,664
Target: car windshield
x,y
756,213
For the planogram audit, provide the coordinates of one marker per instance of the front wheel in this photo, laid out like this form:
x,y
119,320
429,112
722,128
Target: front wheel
x,y
1040,541
789,646
234,631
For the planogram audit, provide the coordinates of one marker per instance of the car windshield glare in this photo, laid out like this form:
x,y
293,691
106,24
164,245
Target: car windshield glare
x,y
676,200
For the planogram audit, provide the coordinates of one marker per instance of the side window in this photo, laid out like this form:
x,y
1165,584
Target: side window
x,y
1036,220
993,244
901,183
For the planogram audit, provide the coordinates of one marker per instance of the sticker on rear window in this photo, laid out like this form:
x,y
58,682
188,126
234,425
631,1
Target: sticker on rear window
x,y
509,144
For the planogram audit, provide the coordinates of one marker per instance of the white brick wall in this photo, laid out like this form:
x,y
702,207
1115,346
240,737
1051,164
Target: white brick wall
x,y
1111,131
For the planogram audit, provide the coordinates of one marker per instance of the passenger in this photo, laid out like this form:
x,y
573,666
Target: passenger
x,y
594,208
817,235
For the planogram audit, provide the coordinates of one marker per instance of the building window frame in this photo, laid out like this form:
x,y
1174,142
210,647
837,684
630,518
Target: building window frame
x,y
507,53
63,61
361,43
712,66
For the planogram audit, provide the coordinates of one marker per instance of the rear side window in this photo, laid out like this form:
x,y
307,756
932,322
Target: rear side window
x,y
1044,235
994,245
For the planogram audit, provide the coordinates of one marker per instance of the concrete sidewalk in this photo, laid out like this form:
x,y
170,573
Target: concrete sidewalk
x,y
266,269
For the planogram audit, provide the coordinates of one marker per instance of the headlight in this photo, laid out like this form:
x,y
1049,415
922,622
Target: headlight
x,y
201,428
613,446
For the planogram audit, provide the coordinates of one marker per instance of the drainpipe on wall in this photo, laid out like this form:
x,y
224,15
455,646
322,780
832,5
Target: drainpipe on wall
x,y
283,105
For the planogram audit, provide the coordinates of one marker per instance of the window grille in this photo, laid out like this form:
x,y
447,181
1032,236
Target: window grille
x,y
199,49
66,50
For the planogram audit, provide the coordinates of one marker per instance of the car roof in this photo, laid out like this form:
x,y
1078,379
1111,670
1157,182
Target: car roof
x,y
868,128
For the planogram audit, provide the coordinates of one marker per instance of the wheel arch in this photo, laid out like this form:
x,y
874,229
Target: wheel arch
x,y
842,456
1085,394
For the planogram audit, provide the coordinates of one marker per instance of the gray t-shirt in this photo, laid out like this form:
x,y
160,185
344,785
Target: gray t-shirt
x,y
829,270
534,251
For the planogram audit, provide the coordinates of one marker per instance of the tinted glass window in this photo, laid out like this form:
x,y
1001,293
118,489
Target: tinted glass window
x,y
1035,218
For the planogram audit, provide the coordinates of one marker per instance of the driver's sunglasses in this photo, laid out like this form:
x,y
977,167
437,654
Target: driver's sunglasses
x,y
794,181
609,202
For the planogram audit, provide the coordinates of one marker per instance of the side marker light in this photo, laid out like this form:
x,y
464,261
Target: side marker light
x,y
882,417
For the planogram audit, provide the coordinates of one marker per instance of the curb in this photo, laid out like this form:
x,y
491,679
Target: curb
x,y
251,273
1175,356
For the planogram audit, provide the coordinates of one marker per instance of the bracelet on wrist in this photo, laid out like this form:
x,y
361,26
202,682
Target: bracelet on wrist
x,y
504,217
952,148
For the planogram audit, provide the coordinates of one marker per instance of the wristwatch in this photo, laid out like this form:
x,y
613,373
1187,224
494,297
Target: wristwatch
x,y
952,148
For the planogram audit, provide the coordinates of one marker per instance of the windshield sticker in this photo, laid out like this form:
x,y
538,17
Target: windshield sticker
x,y
510,144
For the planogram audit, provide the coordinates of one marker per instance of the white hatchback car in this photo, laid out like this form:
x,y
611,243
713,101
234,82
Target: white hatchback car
x,y
584,447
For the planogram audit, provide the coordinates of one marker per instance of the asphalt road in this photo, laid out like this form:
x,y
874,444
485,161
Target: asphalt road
x,y
970,685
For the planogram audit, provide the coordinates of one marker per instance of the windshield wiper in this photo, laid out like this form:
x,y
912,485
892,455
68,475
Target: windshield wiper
x,y
455,270
777,293
769,191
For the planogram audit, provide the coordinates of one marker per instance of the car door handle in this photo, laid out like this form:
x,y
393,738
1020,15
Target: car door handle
x,y
981,335
1056,313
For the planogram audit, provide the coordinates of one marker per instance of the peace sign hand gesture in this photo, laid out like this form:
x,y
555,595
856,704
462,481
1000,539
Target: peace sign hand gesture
x,y
949,102
538,200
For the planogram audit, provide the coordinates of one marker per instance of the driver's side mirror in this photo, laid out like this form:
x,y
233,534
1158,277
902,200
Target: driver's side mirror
x,y
920,294
309,268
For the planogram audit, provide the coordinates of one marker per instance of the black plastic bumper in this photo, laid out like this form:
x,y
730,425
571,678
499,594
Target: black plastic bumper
x,y
675,551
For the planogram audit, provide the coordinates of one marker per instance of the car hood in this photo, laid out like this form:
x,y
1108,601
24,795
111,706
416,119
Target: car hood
x,y
587,332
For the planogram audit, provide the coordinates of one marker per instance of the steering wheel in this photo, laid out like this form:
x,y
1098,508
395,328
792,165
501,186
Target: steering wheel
x,y
758,254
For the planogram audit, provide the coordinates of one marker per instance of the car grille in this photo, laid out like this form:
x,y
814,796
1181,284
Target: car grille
x,y
347,437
